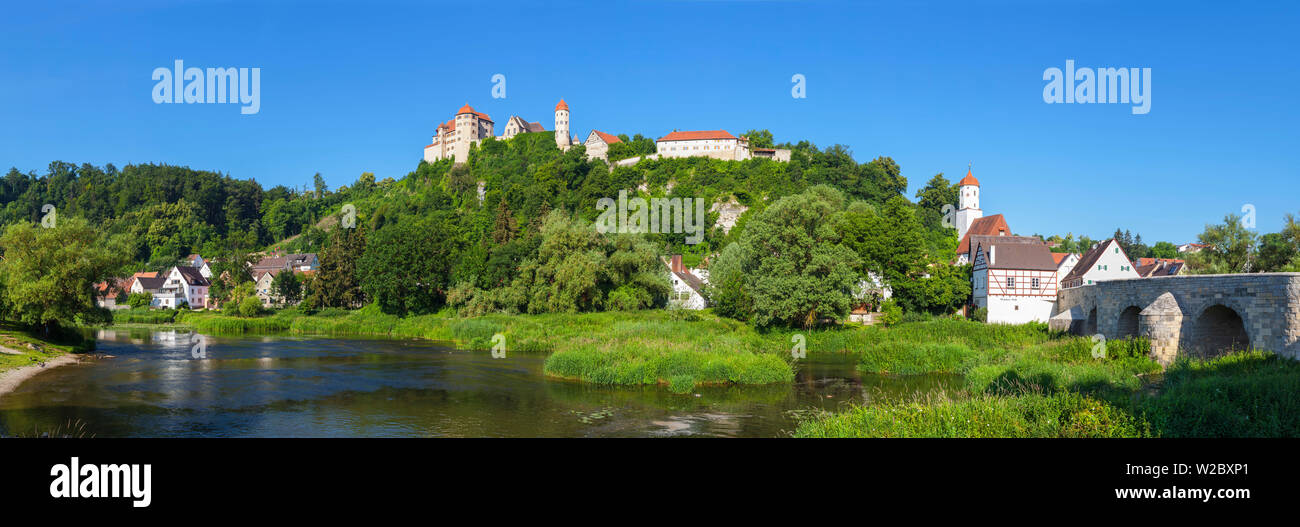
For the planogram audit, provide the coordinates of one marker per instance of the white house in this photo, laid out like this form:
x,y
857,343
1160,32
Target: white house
x,y
1104,261
718,144
686,286
1016,282
1065,263
190,284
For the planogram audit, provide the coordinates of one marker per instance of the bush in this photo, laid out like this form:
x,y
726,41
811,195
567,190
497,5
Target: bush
x,y
250,306
891,313
980,314
139,299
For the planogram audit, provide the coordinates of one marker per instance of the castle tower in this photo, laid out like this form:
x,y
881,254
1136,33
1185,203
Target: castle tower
x,y
562,125
968,203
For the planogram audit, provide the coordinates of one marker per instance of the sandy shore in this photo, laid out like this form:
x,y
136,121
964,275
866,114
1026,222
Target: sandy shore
x,y
10,379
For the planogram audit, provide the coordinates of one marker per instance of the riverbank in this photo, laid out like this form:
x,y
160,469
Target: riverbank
x,y
23,354
1018,380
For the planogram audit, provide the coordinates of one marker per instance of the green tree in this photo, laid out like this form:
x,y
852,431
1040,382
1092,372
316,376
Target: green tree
x,y
406,265
49,273
796,270
1231,248
1164,250
336,283
287,287
760,138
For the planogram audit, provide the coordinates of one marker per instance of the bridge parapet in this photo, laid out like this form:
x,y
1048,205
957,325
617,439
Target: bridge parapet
x,y
1203,315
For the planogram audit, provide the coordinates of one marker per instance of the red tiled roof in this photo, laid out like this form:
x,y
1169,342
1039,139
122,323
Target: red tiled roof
x,y
968,180
465,109
562,106
608,139
1058,257
484,117
987,226
697,135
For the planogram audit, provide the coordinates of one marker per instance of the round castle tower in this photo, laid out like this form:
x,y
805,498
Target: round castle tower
x,y
562,125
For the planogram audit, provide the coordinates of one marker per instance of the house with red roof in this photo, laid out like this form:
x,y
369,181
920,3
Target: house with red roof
x,y
718,144
598,144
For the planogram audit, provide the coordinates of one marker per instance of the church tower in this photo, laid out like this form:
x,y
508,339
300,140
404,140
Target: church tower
x,y
562,125
968,203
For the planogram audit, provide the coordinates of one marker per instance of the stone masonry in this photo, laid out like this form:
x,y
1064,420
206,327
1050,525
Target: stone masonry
x,y
1203,315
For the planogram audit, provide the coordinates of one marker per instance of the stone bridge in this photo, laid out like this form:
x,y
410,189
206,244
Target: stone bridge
x,y
1201,315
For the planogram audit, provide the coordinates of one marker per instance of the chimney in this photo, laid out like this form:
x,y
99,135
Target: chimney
x,y
677,263
993,251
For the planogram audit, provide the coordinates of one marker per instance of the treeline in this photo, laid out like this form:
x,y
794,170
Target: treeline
x,y
510,230
1236,247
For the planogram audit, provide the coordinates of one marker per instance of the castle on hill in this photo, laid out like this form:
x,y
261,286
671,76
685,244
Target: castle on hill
x,y
453,138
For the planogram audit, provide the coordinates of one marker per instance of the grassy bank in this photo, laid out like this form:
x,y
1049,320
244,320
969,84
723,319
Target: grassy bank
x,y
32,349
1062,414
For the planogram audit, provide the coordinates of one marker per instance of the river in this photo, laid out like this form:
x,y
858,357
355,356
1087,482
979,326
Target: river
x,y
292,386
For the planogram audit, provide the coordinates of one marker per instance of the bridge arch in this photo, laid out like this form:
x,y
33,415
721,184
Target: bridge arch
x,y
1090,325
1219,329
1127,326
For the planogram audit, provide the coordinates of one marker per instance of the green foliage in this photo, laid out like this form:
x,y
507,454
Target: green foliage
x,y
406,264
139,300
250,306
891,313
287,287
1246,394
48,274
1232,247
1060,414
795,270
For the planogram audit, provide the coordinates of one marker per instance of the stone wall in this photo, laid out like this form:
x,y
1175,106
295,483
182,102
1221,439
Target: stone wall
x,y
1175,312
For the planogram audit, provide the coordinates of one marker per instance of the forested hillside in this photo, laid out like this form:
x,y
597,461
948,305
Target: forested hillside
x,y
426,240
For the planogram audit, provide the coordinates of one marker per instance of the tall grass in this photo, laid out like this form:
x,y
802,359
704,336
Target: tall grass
x,y
1031,414
1244,394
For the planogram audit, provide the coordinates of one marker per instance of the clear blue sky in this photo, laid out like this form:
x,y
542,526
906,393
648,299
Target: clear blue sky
x,y
352,88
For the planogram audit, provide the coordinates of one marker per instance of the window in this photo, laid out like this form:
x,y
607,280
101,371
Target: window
x,y
1034,283
1011,281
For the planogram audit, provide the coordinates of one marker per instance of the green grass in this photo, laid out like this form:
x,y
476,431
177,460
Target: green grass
x,y
144,315
1245,394
19,338
1062,414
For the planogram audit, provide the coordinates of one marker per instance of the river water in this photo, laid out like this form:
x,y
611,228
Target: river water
x,y
290,386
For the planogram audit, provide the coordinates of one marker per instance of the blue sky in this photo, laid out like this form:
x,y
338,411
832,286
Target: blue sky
x,y
348,88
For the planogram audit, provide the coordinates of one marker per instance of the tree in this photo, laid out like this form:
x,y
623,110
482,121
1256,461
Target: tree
x,y
48,274
287,287
336,283
1275,253
1231,248
139,300
760,138
1164,250
406,265
795,269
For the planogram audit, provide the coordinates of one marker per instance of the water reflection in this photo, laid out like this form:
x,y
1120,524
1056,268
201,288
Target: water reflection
x,y
294,386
